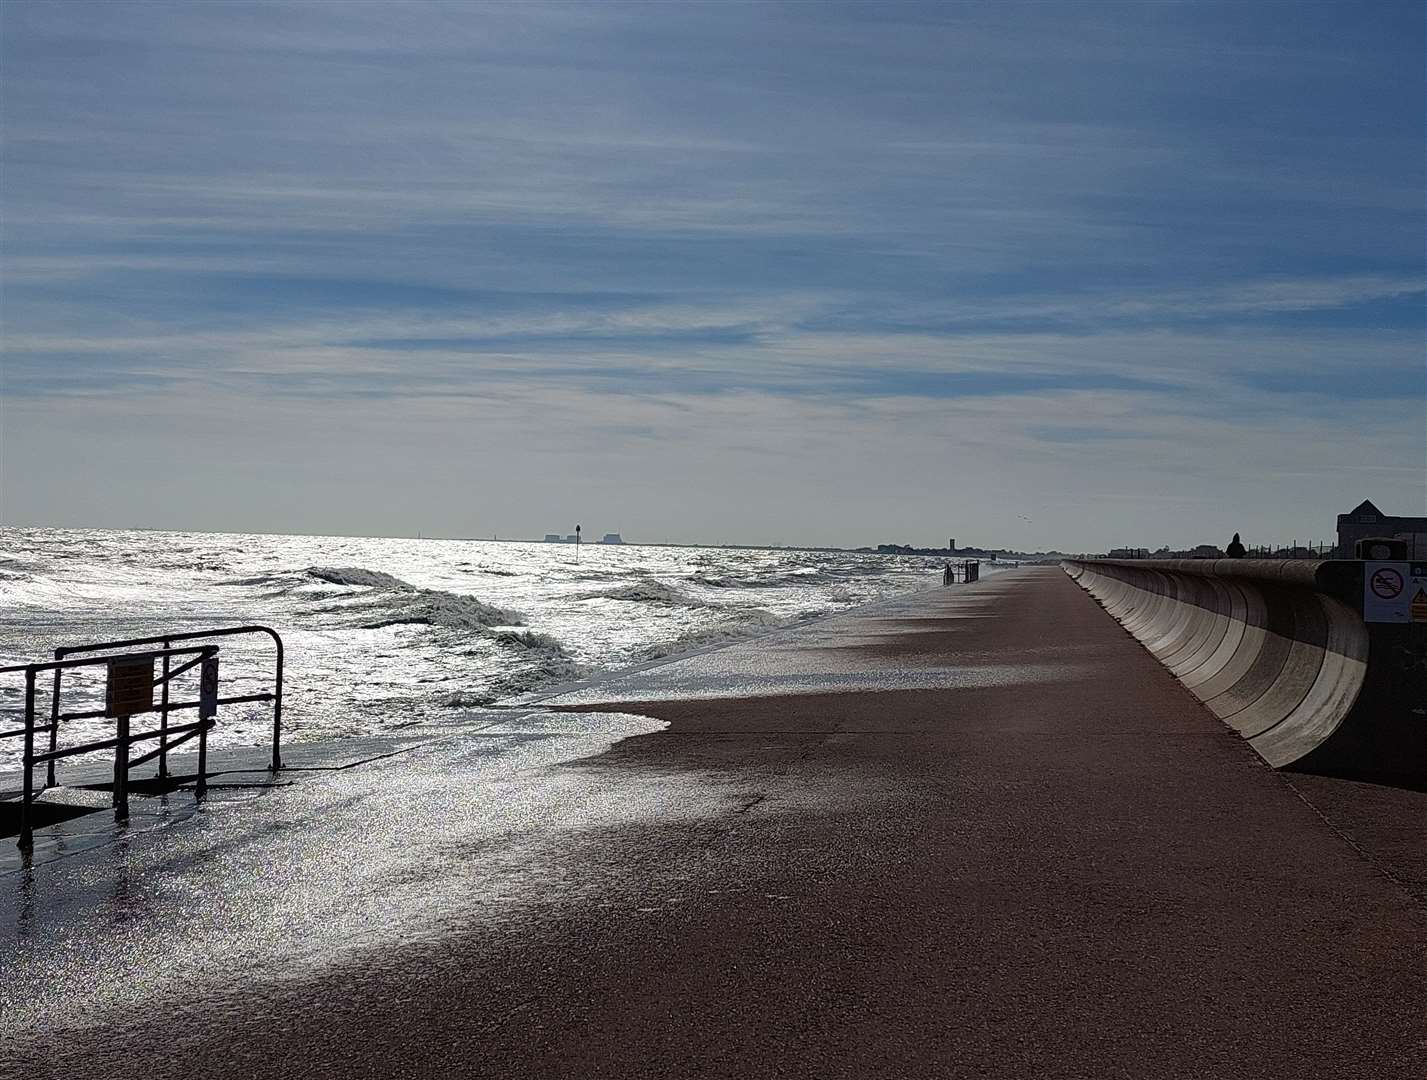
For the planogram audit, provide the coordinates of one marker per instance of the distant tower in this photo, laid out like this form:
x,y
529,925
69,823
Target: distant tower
x,y
951,544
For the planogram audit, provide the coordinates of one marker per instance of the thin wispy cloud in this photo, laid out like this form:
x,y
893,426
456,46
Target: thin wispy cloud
x,y
823,242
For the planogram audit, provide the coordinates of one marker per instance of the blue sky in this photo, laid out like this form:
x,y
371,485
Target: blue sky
x,y
1049,274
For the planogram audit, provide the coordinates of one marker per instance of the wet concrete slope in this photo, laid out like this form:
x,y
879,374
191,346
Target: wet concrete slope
x,y
977,833
1280,652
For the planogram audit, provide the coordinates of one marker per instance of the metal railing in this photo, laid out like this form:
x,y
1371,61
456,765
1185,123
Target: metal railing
x,y
965,571
123,739
165,641
168,735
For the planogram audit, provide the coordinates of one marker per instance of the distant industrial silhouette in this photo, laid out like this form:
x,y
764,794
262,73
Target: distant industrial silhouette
x,y
574,537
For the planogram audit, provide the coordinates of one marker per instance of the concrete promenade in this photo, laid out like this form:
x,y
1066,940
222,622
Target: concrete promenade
x,y
980,832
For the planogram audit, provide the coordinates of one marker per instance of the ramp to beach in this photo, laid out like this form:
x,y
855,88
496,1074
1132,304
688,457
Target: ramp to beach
x,y
977,832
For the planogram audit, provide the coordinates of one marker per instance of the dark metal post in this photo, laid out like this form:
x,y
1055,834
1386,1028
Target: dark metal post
x,y
201,786
121,770
54,728
277,707
163,718
27,839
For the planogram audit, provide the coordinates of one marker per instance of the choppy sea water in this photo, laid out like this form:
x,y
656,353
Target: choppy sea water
x,y
385,633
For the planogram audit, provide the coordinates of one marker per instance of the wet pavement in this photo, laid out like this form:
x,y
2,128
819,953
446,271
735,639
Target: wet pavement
x,y
264,881
974,832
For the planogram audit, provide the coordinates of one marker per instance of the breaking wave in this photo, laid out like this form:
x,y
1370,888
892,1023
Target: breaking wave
x,y
469,699
356,575
530,640
646,590
534,658
783,579
553,668
540,661
19,568
399,603
451,611
260,579
746,623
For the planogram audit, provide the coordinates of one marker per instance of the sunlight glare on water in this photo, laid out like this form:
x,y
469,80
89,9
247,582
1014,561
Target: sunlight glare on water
x,y
381,633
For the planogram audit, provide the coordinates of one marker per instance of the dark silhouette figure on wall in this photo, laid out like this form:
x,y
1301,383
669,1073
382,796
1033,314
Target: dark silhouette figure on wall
x,y
1235,550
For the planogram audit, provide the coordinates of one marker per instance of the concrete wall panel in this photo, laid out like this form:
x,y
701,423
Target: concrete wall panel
x,y
1234,618
1263,644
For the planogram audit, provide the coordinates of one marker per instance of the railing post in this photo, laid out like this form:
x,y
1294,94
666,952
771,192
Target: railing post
x,y
54,727
200,787
121,770
27,838
277,706
163,718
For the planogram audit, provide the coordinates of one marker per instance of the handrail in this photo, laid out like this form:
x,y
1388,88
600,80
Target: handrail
x,y
65,659
966,571
120,743
57,665
240,699
195,635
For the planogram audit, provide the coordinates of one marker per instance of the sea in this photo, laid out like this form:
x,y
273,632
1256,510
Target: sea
x,y
382,634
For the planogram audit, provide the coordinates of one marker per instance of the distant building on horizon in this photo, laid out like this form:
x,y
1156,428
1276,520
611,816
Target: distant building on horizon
x,y
554,538
1366,520
612,538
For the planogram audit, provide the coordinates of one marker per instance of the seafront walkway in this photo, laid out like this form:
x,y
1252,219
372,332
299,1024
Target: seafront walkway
x,y
976,832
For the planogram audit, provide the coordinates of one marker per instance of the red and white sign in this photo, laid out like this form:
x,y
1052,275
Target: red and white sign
x,y
1390,590
1386,583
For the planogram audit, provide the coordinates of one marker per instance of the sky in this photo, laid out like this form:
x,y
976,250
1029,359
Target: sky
x,y
1032,275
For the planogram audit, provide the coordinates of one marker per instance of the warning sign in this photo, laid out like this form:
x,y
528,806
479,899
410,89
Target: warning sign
x,y
1418,607
208,688
1394,592
1385,582
130,688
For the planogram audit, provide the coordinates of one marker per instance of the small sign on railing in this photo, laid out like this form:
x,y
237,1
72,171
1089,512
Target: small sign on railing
x,y
130,688
208,689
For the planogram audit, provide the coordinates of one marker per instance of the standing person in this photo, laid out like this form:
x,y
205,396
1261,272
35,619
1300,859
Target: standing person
x,y
1235,550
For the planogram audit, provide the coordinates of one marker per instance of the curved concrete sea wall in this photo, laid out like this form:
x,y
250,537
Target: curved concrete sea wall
x,y
1278,650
